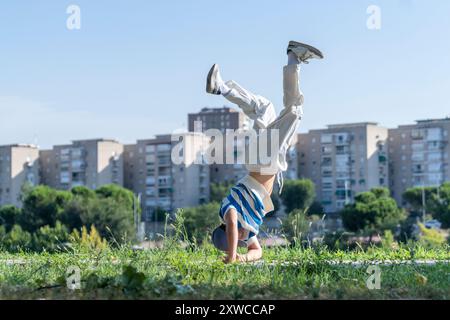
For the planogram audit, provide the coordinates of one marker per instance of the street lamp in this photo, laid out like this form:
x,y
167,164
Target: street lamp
x,y
424,210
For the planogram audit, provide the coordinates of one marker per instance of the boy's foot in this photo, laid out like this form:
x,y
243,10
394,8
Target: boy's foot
x,y
214,80
304,52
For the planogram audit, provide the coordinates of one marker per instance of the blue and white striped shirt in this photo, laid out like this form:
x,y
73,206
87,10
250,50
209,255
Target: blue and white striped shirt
x,y
251,201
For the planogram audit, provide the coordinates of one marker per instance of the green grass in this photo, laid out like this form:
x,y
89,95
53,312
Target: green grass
x,y
198,273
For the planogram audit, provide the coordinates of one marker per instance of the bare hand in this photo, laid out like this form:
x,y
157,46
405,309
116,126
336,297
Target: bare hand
x,y
241,257
228,260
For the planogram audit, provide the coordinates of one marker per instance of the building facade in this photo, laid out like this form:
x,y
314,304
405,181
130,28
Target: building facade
x,y
419,155
18,165
161,183
89,163
344,160
221,119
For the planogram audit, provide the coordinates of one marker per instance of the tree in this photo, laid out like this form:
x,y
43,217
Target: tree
x,y
218,191
316,208
121,195
373,211
83,192
200,221
298,194
9,216
43,206
437,202
439,205
113,219
413,196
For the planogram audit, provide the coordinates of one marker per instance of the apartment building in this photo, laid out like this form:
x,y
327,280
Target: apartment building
x,y
292,157
18,165
90,163
419,155
163,184
220,119
343,160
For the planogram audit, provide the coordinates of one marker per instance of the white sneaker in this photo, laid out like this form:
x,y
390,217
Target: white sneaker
x,y
214,80
304,52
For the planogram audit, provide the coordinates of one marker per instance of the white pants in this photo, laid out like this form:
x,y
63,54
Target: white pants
x,y
262,111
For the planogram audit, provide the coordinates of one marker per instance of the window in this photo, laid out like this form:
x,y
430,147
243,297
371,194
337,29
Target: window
x,y
432,156
150,149
326,138
434,134
164,147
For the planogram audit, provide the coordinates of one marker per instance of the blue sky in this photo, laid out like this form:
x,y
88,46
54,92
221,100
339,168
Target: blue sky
x,y
136,68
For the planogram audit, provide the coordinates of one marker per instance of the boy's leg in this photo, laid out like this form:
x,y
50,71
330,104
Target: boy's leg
x,y
256,107
288,121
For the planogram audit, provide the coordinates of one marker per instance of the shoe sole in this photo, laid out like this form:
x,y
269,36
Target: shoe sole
x,y
311,48
212,72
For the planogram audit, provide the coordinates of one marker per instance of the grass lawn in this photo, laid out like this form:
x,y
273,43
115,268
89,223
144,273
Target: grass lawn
x,y
198,273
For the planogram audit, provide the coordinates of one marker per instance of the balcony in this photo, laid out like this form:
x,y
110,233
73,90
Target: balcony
x,y
435,134
164,162
418,134
342,139
164,203
382,158
164,181
150,181
326,162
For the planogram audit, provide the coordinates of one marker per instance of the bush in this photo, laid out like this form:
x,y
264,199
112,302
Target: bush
x,y
373,212
200,221
88,240
296,226
437,202
113,220
17,239
430,238
387,241
9,215
50,239
298,194
49,215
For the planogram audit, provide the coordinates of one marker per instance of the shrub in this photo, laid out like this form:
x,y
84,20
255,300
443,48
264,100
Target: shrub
x,y
298,194
88,240
17,239
373,212
9,216
50,239
430,238
200,221
296,226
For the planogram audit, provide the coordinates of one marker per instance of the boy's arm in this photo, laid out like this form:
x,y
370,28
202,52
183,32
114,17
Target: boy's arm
x,y
232,235
254,252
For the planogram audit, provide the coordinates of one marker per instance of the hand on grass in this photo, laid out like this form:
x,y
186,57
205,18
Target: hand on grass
x,y
227,259
241,257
